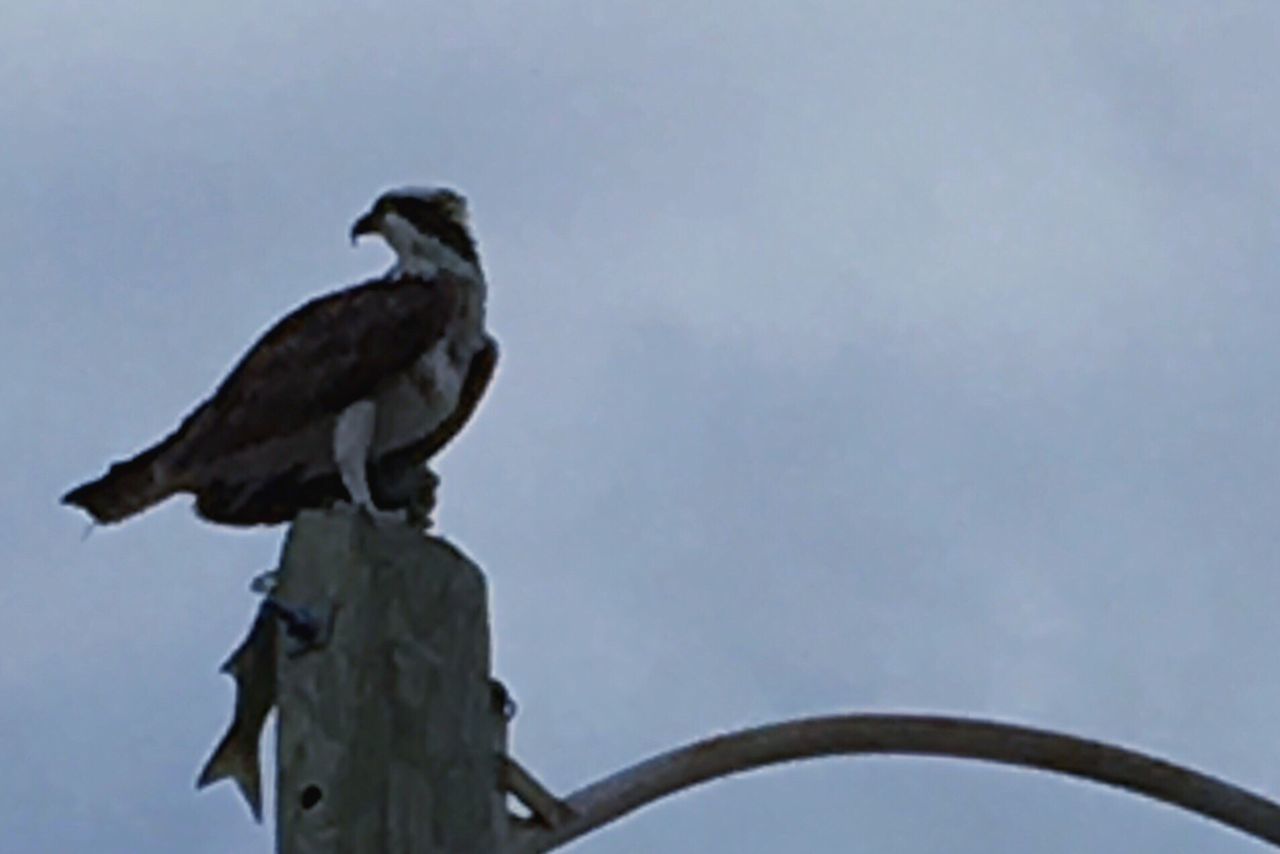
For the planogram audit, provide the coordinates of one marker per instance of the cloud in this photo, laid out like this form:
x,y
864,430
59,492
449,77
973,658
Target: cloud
x,y
854,356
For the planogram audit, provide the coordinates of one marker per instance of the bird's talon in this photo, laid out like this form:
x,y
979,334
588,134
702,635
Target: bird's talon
x,y
379,518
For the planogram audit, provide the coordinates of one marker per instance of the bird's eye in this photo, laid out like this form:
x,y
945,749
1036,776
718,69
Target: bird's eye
x,y
454,206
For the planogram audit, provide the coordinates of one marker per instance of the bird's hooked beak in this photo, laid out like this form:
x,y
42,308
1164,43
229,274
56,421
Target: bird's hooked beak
x,y
370,223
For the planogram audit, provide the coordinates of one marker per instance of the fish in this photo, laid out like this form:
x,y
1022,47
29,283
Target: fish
x,y
253,667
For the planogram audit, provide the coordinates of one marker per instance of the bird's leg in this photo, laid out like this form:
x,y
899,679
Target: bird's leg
x,y
352,439
408,486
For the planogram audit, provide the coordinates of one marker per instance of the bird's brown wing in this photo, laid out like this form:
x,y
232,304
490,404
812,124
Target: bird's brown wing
x,y
280,498
318,360
321,358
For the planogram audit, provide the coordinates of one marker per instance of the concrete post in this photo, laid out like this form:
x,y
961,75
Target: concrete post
x,y
387,733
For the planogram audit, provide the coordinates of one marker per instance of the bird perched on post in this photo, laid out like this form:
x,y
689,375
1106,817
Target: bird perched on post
x,y
344,399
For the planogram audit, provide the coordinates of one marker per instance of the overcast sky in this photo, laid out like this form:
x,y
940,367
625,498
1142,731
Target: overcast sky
x,y
856,356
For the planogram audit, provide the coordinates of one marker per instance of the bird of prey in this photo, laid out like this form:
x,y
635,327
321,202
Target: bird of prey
x,y
344,399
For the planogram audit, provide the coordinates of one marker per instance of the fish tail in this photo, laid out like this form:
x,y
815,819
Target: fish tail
x,y
236,757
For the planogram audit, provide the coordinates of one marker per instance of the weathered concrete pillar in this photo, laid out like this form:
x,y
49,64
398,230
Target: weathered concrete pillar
x,y
387,733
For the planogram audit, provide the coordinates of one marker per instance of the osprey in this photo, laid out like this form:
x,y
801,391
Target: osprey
x,y
345,399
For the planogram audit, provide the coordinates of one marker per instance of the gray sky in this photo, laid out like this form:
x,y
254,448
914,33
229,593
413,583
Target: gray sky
x,y
856,356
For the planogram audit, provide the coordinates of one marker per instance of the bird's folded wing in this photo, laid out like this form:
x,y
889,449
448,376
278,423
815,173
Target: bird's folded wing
x,y
279,498
321,358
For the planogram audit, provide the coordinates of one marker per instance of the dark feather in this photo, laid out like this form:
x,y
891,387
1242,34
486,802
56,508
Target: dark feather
x,y
321,358
314,363
278,498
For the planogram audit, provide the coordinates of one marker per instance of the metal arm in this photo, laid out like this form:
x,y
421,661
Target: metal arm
x,y
921,735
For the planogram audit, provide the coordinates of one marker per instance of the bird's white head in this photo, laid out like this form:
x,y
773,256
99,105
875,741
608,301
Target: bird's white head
x,y
427,228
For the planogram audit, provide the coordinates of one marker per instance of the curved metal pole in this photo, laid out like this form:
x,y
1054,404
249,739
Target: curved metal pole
x,y
920,735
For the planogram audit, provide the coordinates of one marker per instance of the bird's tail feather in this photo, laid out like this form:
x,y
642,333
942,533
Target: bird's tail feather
x,y
127,488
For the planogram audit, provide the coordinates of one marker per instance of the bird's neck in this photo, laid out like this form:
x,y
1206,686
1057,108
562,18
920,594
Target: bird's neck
x,y
426,257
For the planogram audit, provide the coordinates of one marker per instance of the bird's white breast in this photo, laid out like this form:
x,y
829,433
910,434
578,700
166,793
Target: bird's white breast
x,y
424,396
